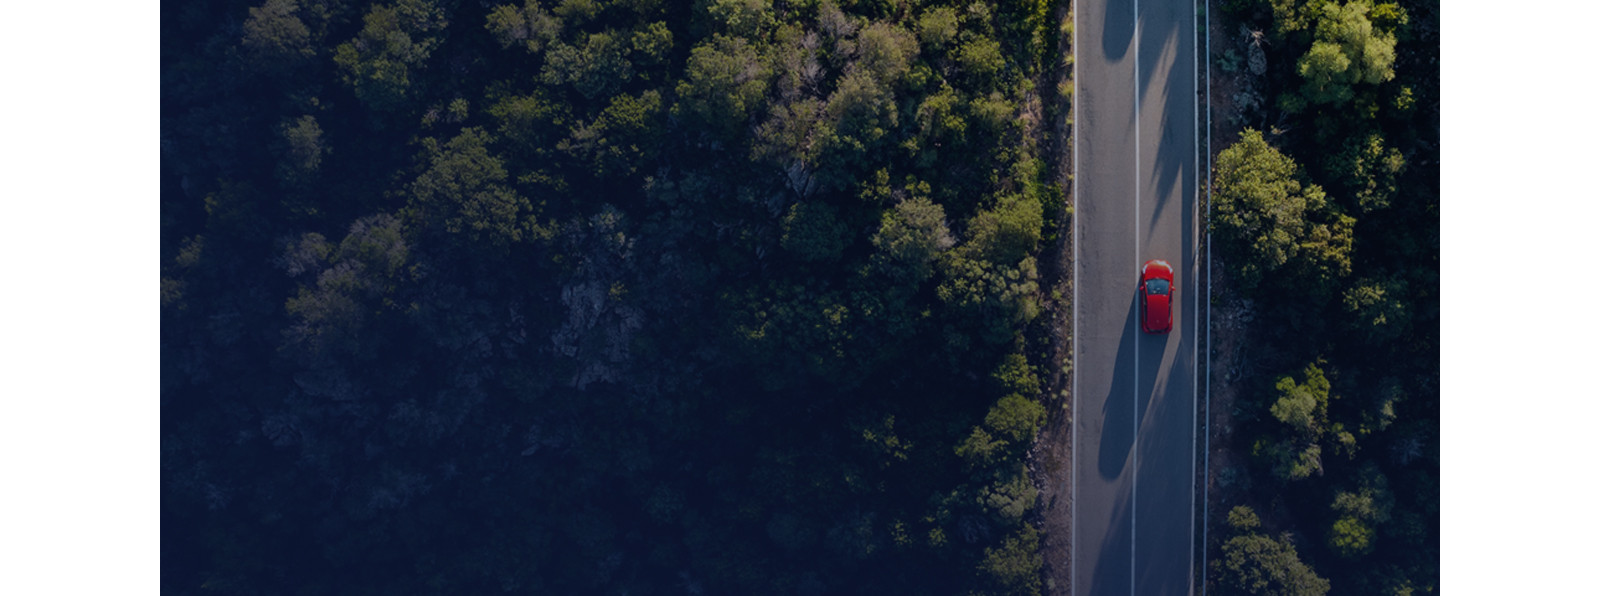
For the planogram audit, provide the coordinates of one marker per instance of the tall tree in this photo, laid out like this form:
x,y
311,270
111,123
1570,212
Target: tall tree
x,y
598,68
1269,219
464,192
275,36
1294,450
909,240
724,85
1348,52
1254,563
394,40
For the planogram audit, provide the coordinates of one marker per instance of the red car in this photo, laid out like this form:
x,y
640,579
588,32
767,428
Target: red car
x,y
1155,296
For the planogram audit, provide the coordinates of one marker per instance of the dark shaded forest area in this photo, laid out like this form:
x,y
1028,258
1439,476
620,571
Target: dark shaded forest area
x,y
600,296
1326,222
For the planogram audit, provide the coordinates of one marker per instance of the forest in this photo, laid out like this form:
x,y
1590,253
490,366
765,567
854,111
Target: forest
x,y
604,296
1325,223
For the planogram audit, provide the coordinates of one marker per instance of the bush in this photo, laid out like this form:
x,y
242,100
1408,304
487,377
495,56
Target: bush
x,y
1253,563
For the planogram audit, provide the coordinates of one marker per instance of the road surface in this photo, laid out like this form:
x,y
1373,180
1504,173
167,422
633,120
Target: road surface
x,y
1135,395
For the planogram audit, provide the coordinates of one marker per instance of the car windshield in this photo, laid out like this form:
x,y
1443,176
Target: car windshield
x,y
1158,287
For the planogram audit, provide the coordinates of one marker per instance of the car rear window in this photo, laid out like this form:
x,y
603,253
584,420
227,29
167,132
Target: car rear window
x,y
1157,287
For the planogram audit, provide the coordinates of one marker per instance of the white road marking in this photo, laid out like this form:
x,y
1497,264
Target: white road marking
x,y
1194,405
1072,559
1133,523
1205,485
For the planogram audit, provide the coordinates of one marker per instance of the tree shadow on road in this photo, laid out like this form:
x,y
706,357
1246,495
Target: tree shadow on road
x,y
1116,433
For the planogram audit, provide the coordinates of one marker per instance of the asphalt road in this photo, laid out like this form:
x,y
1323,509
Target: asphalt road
x,y
1135,395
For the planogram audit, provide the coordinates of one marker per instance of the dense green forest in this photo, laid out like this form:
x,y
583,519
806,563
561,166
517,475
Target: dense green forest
x,y
1326,216
604,296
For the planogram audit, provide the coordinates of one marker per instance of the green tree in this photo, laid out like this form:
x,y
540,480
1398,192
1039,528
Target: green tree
x,y
789,139
938,27
1360,512
741,18
1302,409
980,450
1391,18
1015,418
1350,538
995,300
652,44
1007,233
530,26
1011,495
1266,218
981,60
1377,310
1015,566
463,191
302,150
1014,374
835,23
1253,563
724,85
352,282
812,231
577,13
1303,406
910,238
393,40
1288,16
622,138
1347,52
886,51
940,125
530,123
274,34
991,279
597,69
861,112
994,114
1368,171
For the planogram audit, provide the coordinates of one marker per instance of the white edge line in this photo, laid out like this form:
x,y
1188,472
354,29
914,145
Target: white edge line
x,y
1133,518
1205,507
1194,406
1072,559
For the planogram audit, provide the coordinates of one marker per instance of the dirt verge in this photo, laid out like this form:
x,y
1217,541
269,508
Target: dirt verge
x,y
1050,462
1226,476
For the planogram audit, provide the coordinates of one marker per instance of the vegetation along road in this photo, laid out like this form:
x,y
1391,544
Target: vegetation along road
x,y
1136,393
